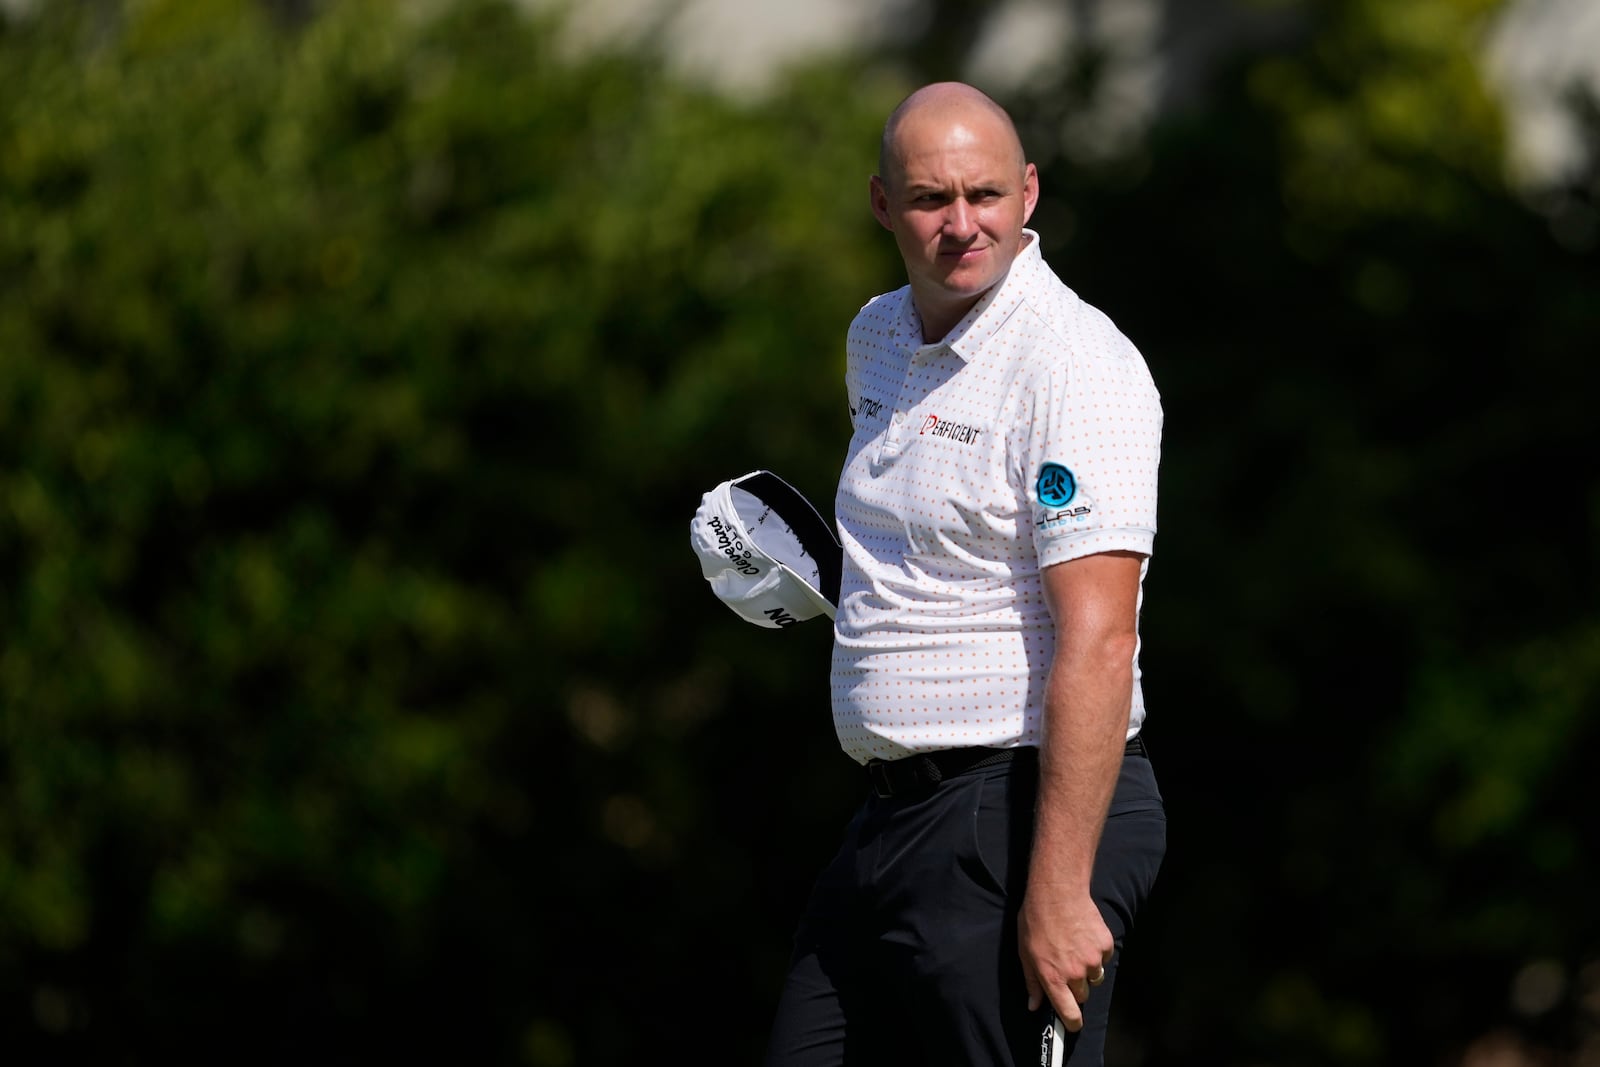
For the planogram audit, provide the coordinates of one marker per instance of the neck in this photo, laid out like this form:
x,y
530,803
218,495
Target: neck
x,y
938,318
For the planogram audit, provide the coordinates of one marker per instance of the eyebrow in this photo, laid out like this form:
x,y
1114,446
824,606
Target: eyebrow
x,y
918,188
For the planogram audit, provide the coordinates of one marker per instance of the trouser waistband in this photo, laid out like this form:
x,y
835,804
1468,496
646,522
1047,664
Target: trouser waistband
x,y
923,772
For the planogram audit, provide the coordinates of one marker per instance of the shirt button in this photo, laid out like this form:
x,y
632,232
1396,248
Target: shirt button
x,y
899,417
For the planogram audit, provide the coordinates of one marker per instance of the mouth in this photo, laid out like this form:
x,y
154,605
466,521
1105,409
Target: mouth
x,y
962,255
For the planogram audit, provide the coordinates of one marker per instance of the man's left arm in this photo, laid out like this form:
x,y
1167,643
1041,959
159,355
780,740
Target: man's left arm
x,y
1064,940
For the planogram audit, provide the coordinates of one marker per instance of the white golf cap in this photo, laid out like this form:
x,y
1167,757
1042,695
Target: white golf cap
x,y
766,551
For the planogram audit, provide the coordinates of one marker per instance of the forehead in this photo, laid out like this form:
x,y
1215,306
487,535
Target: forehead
x,y
936,145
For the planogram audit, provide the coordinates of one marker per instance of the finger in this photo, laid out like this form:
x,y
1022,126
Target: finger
x,y
1035,990
1071,1016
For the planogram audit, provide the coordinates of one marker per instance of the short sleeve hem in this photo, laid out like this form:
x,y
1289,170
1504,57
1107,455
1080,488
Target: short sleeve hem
x,y
1063,549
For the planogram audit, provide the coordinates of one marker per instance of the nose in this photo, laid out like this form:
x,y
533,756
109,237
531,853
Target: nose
x,y
959,221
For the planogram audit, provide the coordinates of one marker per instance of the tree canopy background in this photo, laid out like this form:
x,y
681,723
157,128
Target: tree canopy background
x,y
361,365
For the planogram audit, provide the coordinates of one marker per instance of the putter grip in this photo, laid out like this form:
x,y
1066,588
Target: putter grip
x,y
1052,1044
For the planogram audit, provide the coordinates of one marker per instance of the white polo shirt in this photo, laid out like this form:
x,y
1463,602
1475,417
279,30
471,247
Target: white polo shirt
x,y
1030,435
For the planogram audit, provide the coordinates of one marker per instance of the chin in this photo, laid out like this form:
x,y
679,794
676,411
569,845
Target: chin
x,y
970,287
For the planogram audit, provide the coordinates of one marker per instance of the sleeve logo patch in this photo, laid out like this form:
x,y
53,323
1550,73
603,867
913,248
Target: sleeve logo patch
x,y
1056,486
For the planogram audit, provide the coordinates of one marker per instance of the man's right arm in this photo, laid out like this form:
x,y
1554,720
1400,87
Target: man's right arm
x,y
1063,938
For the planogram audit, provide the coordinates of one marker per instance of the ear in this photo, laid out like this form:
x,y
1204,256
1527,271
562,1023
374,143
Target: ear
x,y
1030,191
878,195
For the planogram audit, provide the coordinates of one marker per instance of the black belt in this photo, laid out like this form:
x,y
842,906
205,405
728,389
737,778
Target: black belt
x,y
921,773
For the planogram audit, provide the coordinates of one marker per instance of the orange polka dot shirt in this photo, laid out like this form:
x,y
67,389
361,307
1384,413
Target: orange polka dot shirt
x,y
1030,435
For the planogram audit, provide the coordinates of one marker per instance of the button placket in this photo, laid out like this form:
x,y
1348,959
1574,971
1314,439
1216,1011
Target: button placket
x,y
894,437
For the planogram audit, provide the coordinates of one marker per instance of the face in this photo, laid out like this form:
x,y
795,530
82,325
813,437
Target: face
x,y
956,199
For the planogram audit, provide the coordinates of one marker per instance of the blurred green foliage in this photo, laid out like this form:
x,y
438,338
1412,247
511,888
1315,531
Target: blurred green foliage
x,y
359,695
350,374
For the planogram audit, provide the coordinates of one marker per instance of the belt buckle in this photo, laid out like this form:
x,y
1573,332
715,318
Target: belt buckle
x,y
878,776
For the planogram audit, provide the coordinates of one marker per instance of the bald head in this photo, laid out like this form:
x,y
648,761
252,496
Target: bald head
x,y
944,104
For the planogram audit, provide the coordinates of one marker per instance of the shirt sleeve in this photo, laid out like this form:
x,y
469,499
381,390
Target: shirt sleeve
x,y
1091,453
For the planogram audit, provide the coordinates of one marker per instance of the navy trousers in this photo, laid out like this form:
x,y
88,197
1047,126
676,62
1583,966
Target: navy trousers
x,y
907,950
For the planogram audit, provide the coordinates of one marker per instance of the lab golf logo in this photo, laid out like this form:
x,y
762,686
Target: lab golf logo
x,y
1056,486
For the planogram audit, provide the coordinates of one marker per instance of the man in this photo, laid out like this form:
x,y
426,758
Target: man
x,y
996,509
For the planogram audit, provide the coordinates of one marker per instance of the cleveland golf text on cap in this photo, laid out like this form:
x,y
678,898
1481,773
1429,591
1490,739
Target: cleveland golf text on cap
x,y
767,552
